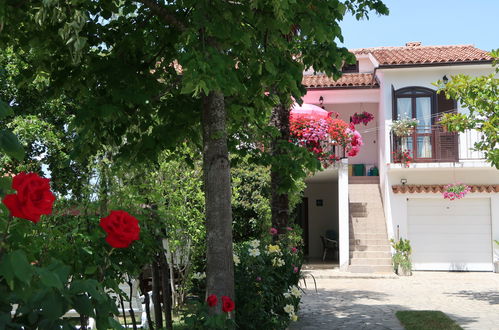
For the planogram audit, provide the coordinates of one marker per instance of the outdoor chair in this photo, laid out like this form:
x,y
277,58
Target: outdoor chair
x,y
331,245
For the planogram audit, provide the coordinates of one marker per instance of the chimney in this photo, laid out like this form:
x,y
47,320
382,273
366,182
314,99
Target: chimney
x,y
413,44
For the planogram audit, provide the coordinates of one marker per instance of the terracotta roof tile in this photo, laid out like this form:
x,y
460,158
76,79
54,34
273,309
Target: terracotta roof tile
x,y
348,80
416,54
435,188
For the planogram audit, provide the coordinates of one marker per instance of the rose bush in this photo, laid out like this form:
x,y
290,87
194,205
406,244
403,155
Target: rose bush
x,y
33,197
59,264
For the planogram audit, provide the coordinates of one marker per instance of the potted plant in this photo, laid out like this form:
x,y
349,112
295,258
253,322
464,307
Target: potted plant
x,y
404,126
456,191
402,258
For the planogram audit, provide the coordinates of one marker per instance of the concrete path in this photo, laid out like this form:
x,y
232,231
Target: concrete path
x,y
471,299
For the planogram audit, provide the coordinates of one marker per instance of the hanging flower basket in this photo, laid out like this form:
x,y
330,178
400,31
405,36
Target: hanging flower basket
x,y
456,191
363,117
404,127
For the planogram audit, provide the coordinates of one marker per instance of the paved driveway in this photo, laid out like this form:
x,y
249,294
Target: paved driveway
x,y
471,299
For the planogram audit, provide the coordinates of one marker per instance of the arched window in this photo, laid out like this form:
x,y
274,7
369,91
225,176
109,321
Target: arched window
x,y
415,102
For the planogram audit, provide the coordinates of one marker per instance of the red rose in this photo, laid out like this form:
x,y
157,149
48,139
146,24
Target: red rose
x,y
33,197
121,229
227,304
212,300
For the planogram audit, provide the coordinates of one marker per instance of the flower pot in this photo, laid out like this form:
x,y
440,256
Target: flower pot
x,y
403,271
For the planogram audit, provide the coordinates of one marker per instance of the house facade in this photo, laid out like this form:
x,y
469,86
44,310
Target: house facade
x,y
362,210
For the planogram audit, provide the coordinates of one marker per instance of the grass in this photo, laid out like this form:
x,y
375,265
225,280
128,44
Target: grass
x,y
426,320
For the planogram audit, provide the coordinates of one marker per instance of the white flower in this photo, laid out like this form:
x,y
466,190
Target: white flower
x,y
293,317
237,261
254,252
290,309
278,262
287,295
295,291
199,276
254,243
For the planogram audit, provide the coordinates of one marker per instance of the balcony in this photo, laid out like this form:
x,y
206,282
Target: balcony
x,y
431,144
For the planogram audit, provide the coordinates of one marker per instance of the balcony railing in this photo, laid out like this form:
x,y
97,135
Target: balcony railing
x,y
433,144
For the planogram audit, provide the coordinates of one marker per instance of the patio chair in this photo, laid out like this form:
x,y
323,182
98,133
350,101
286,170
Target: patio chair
x,y
329,244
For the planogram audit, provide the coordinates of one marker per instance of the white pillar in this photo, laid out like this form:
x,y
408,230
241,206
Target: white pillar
x,y
343,214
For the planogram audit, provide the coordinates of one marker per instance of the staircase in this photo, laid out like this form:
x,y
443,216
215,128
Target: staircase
x,y
369,245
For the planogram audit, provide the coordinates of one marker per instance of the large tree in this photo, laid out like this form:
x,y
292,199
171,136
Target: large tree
x,y
119,63
480,95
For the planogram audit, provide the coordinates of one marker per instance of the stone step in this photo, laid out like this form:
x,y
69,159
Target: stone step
x,y
367,228
370,254
370,269
371,261
368,241
369,235
373,248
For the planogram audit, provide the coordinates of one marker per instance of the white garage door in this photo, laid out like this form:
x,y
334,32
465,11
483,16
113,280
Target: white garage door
x,y
450,235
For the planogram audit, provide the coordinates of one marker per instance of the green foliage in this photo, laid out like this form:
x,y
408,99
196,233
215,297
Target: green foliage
x,y
37,289
480,96
201,319
267,276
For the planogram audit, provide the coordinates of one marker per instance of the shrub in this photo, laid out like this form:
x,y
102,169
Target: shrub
x,y
267,275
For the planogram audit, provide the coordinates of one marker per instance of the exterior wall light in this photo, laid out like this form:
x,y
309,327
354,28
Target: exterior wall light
x,y
445,79
403,181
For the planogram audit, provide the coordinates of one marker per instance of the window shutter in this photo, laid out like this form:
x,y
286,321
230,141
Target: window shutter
x,y
447,143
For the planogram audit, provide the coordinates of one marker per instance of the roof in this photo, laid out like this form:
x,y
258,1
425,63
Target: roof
x,y
435,188
415,54
347,80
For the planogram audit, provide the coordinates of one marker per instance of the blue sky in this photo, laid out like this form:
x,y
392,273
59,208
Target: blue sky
x,y
433,22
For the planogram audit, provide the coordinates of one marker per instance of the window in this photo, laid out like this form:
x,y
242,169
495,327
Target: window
x,y
419,103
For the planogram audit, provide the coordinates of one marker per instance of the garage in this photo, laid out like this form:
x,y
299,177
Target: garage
x,y
450,235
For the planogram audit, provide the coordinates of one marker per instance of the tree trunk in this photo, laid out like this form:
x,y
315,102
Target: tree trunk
x,y
279,199
217,189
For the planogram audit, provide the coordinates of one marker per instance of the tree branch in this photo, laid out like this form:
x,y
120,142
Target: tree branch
x,y
164,14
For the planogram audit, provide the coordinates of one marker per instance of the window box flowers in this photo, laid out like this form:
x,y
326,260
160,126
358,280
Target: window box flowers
x,y
456,191
403,157
404,127
363,117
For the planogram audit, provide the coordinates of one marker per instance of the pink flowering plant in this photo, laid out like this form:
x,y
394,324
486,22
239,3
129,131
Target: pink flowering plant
x,y
267,273
456,191
363,117
323,137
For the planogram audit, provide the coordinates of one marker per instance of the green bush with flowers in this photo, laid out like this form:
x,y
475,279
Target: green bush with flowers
x,y
51,264
267,273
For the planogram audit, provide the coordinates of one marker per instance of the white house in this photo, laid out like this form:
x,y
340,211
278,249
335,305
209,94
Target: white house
x,y
364,212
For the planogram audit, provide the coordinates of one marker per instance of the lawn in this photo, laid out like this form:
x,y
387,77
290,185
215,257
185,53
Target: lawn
x,y
426,320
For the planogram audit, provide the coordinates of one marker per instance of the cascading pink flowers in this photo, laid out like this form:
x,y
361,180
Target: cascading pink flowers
x,y
456,191
320,136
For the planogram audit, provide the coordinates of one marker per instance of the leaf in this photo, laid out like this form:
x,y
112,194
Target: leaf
x,y
11,145
5,110
5,185
49,279
20,266
83,305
